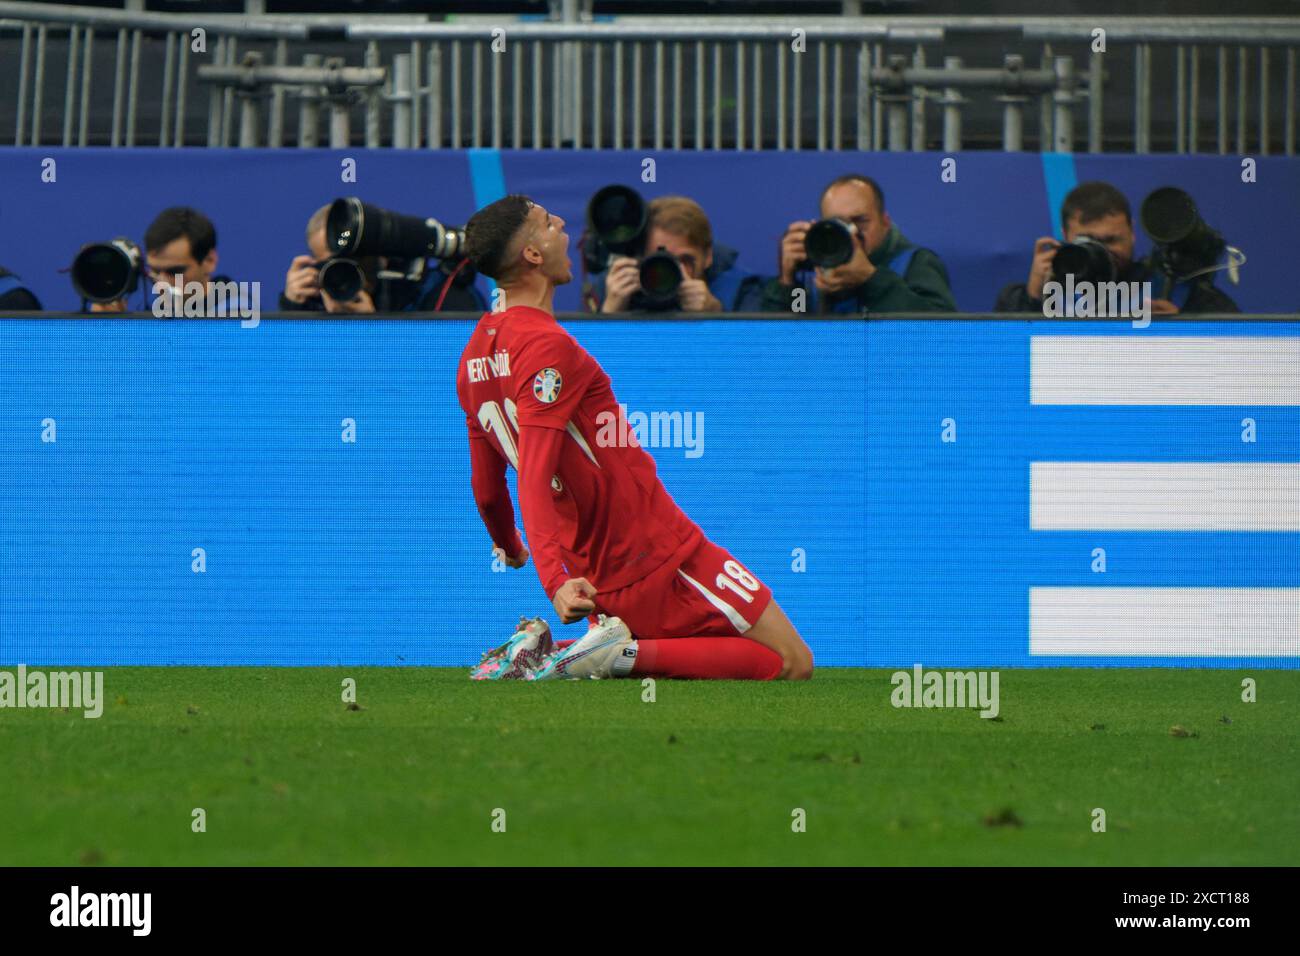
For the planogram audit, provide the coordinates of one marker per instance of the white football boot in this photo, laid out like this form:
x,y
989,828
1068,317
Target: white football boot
x,y
592,655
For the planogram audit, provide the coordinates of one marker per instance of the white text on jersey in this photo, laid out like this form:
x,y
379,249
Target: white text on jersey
x,y
498,364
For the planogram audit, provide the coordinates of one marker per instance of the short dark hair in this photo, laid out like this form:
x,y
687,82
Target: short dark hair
x,y
171,224
1092,201
489,232
856,178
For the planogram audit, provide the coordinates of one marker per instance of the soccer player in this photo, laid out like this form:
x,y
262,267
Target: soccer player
x,y
606,537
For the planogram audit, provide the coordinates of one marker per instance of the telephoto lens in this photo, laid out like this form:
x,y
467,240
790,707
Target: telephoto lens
x,y
1086,259
1184,242
661,277
342,279
829,242
616,224
354,228
107,271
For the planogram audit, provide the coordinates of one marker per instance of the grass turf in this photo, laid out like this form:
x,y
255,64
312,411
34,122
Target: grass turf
x,y
710,773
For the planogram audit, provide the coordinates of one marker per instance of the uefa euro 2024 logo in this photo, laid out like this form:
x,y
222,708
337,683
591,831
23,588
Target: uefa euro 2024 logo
x,y
546,385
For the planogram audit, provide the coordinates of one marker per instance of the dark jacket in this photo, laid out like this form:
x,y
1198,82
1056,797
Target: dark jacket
x,y
923,287
14,296
1200,295
738,289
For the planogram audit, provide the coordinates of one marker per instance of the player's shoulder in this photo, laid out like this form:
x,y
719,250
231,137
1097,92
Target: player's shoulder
x,y
534,338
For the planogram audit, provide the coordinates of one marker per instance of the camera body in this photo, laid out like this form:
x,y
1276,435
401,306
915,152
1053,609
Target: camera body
x,y
1086,259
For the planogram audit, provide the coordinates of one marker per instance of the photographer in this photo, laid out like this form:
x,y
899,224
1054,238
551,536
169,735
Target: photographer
x,y
711,280
1099,211
885,273
180,249
14,296
302,291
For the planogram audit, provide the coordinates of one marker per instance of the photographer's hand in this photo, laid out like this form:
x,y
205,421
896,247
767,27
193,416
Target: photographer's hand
x,y
301,282
1044,249
361,305
623,280
694,296
793,252
856,272
117,305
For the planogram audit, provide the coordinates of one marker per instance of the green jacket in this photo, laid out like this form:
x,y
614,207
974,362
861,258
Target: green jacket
x,y
923,289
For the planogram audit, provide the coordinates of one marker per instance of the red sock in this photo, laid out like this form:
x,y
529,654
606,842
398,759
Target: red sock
x,y
716,658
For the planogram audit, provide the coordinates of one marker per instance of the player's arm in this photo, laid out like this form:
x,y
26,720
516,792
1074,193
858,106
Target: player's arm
x,y
488,477
539,458
540,447
551,379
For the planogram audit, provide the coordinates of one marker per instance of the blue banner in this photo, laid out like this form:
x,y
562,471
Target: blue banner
x,y
195,492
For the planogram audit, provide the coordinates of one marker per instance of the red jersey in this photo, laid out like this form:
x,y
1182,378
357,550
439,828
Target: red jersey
x,y
607,517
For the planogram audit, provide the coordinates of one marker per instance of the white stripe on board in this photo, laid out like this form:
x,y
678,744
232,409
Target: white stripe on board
x,y
1162,496
1158,622
1163,370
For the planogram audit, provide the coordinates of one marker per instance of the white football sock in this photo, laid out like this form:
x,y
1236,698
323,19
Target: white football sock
x,y
625,661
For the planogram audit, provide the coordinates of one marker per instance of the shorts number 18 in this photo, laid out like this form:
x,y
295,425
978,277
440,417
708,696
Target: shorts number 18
x,y
736,575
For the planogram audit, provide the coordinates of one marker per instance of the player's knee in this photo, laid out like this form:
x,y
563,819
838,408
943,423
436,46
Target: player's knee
x,y
797,664
775,631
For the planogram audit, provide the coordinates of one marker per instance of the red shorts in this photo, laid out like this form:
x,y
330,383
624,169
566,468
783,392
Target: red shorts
x,y
709,594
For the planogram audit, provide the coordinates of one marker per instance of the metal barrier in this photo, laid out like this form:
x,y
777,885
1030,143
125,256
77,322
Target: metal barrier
x,y
682,83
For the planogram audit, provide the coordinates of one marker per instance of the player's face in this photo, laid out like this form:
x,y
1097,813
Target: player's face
x,y
856,203
694,260
1114,231
550,238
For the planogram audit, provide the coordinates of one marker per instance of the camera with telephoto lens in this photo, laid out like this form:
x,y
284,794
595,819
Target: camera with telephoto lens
x,y
341,279
1086,259
354,228
1185,245
358,234
618,220
661,278
107,271
829,243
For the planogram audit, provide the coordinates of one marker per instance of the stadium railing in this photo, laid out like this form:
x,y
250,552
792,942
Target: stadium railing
x,y
1216,83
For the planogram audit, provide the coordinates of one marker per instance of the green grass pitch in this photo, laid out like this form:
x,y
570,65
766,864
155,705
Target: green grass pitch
x,y
710,773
